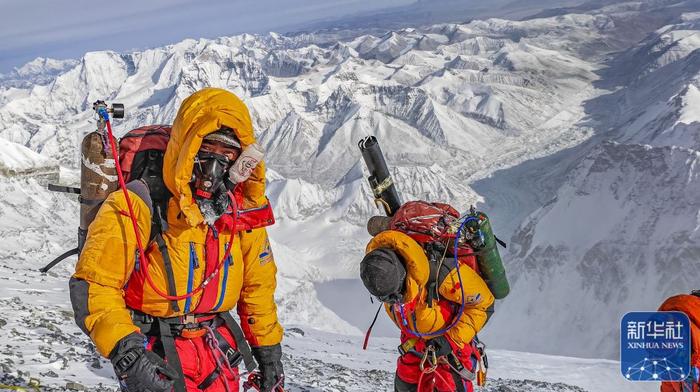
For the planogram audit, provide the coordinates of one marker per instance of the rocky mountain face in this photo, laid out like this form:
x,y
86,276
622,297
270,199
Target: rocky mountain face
x,y
618,231
620,234
577,132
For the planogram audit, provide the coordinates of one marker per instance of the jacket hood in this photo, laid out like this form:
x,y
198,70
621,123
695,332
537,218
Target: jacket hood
x,y
200,114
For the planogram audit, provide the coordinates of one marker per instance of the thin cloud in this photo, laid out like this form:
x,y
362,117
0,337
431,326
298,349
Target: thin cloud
x,y
47,28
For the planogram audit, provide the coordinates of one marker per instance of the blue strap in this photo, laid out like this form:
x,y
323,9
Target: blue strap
x,y
190,276
227,263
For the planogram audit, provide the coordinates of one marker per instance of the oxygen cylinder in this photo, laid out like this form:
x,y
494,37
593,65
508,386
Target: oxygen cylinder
x,y
490,264
98,178
380,180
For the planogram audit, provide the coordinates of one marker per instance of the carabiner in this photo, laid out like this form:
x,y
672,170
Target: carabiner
x,y
430,357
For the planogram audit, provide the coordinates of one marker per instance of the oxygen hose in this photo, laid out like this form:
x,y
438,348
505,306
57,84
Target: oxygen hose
x,y
442,331
142,254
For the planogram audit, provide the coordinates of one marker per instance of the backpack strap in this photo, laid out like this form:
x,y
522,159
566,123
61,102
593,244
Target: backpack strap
x,y
432,285
441,264
448,264
141,190
241,343
167,263
489,312
158,222
171,355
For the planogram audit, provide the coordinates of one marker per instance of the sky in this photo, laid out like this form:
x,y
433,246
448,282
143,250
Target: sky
x,y
69,28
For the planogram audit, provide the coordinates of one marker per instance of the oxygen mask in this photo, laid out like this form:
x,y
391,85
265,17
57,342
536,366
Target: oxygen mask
x,y
209,173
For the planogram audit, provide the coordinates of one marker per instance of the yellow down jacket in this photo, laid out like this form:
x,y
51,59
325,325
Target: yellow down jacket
x,y
109,280
427,316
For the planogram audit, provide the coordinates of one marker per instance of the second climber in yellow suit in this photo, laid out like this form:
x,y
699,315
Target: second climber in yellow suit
x,y
423,299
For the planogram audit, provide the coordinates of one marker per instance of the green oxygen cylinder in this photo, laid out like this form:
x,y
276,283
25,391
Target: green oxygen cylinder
x,y
480,236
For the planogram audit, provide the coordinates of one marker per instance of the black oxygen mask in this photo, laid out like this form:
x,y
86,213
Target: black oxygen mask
x,y
209,174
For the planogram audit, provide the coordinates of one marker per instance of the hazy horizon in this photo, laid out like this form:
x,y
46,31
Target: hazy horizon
x,y
45,28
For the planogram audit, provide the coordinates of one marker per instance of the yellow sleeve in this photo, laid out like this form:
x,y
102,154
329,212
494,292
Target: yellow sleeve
x,y
104,267
256,306
478,299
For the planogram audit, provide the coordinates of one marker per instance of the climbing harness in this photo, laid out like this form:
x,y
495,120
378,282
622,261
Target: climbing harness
x,y
194,326
480,361
431,359
221,361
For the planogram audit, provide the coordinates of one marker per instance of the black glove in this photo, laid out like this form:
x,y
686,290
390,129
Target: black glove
x,y
139,370
270,364
441,346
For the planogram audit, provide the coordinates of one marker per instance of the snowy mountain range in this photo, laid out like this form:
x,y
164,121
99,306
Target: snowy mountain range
x,y
617,224
576,132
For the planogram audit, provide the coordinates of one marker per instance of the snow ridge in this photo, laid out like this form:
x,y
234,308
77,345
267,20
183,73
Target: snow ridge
x,y
619,231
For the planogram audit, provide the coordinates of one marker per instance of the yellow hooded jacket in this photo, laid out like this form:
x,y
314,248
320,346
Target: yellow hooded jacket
x,y
107,276
425,317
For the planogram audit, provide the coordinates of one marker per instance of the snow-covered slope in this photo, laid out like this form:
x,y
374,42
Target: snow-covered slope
x,y
18,160
661,77
46,345
620,232
447,102
462,89
43,342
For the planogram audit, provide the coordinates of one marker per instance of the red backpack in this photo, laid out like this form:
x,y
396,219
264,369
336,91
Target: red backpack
x,y
428,223
140,146
141,152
